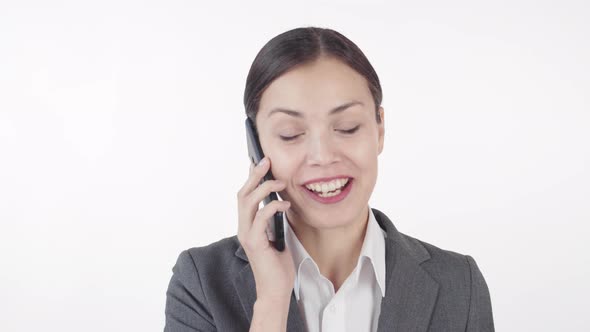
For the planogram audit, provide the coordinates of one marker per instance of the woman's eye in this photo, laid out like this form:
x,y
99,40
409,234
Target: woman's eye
x,y
350,131
288,138
344,131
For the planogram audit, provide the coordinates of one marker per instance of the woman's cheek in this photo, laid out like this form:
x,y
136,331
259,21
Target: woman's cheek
x,y
284,166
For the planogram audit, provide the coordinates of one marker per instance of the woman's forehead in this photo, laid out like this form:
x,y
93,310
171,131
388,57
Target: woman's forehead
x,y
347,107
324,85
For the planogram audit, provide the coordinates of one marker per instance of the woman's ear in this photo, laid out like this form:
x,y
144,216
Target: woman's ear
x,y
381,128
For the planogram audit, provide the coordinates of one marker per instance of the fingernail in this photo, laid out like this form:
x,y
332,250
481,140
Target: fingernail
x,y
263,161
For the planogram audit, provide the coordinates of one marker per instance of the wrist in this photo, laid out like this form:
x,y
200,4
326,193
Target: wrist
x,y
277,306
276,294
270,314
273,301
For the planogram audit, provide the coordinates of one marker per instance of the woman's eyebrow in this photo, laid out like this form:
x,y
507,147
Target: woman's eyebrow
x,y
298,114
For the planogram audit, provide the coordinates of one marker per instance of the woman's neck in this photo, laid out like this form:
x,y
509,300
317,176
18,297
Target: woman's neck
x,y
336,250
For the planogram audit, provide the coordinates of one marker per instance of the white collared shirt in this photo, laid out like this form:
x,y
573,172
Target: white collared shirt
x,y
357,304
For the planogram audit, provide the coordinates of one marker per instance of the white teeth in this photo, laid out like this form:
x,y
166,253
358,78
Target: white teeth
x,y
332,186
330,194
328,187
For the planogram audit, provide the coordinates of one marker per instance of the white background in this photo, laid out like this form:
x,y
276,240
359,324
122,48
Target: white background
x,y
122,143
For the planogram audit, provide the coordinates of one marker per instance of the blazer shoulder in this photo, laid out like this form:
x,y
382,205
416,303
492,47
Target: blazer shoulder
x,y
198,288
434,255
214,255
223,246
461,281
448,268
462,285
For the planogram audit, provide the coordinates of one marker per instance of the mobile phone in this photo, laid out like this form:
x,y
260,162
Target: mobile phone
x,y
256,154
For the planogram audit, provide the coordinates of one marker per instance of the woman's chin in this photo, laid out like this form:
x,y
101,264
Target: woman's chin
x,y
324,220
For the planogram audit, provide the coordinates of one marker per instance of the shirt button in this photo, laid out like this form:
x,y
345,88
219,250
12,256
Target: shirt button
x,y
333,308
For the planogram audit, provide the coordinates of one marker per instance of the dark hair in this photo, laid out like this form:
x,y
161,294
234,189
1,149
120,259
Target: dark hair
x,y
299,46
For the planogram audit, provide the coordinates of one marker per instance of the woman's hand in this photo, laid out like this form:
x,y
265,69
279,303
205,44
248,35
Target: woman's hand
x,y
274,272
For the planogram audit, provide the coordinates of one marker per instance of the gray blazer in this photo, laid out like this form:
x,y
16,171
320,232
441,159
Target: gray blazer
x,y
428,289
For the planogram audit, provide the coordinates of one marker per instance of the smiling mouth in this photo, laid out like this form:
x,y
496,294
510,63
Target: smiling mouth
x,y
329,189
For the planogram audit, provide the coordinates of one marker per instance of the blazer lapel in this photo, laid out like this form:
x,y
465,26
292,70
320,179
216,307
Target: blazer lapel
x,y
410,292
245,286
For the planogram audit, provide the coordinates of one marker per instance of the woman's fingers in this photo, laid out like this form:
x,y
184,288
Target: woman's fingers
x,y
273,271
247,208
252,193
257,233
264,190
255,177
267,212
249,205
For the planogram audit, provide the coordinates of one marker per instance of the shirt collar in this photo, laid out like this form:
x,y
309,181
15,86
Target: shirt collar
x,y
373,250
298,253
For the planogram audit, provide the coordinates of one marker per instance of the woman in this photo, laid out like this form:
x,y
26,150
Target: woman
x,y
315,101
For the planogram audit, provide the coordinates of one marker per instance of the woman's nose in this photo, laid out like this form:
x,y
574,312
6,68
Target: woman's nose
x,y
321,151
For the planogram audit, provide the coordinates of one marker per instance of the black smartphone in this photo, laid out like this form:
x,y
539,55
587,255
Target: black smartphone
x,y
255,153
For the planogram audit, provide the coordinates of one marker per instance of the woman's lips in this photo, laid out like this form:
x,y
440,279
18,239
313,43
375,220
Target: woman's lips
x,y
344,191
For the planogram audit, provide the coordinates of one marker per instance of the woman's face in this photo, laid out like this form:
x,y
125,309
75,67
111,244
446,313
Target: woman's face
x,y
317,125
